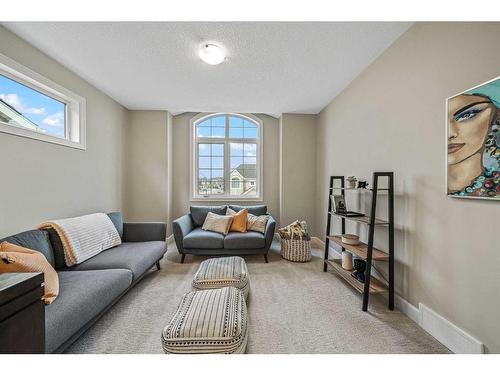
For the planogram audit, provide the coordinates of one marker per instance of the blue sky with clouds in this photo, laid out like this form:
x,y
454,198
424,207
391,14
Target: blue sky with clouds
x,y
44,111
212,156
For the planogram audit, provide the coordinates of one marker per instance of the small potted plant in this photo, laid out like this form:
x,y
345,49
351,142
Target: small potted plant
x,y
351,182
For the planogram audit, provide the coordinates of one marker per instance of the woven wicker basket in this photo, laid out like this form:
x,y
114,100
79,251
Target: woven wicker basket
x,y
296,250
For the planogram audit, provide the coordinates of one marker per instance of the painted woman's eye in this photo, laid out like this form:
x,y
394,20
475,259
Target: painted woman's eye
x,y
468,114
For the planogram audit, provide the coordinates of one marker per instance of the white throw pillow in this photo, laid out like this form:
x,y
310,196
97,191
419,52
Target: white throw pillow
x,y
217,223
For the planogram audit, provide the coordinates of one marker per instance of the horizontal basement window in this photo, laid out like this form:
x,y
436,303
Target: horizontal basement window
x,y
34,107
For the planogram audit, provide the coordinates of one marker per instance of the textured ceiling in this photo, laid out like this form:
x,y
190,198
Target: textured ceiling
x,y
272,67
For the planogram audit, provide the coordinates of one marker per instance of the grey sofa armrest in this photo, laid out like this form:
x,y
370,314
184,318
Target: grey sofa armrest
x,y
269,233
142,232
181,227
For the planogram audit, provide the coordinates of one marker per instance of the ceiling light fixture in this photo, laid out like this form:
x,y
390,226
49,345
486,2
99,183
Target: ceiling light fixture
x,y
211,54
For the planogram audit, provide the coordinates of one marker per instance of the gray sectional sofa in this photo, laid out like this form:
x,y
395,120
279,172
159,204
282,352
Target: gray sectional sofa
x,y
191,239
88,289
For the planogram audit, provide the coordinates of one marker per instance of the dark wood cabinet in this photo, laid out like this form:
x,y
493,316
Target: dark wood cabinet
x,y
22,313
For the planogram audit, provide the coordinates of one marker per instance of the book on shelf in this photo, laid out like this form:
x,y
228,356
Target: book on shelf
x,y
340,208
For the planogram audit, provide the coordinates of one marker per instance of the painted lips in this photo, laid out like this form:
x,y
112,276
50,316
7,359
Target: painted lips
x,y
454,147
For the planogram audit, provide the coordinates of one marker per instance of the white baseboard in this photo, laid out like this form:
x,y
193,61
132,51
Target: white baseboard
x,y
317,243
170,239
447,333
407,308
453,337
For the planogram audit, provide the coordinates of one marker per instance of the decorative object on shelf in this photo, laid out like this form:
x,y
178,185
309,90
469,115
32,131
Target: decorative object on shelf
x,y
295,242
362,184
350,239
339,206
346,260
473,133
359,270
351,182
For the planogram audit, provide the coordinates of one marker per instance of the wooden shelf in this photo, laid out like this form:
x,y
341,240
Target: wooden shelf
x,y
360,250
365,189
338,185
361,219
376,286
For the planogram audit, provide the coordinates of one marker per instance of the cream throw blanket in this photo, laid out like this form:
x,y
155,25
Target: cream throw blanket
x,y
85,236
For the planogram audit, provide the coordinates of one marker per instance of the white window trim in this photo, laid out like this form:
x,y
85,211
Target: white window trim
x,y
194,196
75,116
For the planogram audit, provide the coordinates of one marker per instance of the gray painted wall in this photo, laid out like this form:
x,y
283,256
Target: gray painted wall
x,y
392,117
298,169
43,180
146,184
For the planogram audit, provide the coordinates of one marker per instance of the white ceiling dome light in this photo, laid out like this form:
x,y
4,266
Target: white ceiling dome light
x,y
212,54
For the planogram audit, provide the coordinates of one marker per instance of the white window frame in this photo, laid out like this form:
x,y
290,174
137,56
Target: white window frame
x,y
75,106
193,152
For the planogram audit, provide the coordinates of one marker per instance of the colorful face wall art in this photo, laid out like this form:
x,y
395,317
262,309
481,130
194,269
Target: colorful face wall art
x,y
473,154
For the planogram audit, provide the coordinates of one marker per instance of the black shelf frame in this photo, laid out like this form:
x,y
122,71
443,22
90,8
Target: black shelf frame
x,y
371,230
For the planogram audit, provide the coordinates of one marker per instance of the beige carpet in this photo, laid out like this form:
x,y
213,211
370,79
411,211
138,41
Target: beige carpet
x,y
293,308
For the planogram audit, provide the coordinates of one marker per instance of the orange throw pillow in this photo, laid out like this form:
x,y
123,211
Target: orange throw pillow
x,y
15,258
239,223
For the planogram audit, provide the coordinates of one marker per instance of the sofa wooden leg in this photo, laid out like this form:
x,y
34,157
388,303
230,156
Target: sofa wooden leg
x,y
182,258
158,265
265,258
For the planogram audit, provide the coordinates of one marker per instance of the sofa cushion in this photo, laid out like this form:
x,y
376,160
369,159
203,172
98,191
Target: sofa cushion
x,y
217,223
15,258
257,223
137,257
203,239
199,213
35,240
57,248
117,220
239,223
248,240
254,210
82,295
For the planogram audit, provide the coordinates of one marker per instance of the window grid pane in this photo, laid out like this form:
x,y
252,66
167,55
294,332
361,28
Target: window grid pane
x,y
243,168
214,127
210,169
242,158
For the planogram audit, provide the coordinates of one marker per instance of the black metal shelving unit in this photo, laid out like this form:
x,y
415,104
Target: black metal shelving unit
x,y
365,251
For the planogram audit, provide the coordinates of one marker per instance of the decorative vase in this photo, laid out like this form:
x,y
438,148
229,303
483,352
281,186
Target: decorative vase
x,y
362,185
346,260
359,270
350,239
351,182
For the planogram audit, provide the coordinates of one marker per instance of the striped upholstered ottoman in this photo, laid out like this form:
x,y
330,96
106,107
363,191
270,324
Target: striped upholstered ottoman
x,y
220,272
208,322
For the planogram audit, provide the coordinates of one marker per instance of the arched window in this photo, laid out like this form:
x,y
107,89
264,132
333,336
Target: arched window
x,y
226,152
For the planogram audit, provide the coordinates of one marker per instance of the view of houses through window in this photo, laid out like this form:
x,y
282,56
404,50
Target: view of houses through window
x,y
24,107
227,156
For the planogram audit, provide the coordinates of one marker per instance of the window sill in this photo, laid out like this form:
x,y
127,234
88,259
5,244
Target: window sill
x,y
26,133
226,199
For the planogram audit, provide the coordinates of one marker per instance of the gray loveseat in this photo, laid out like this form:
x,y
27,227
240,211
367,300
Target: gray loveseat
x,y
88,289
191,239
